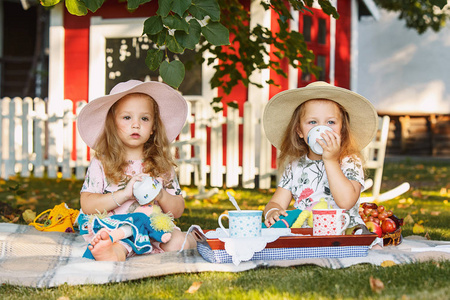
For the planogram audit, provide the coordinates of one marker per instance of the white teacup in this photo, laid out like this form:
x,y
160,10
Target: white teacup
x,y
146,190
243,223
314,134
330,221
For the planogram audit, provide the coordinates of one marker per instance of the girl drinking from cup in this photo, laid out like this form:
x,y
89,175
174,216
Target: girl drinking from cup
x,y
131,130
331,166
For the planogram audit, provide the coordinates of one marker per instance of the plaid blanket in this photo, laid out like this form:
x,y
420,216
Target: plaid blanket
x,y
32,258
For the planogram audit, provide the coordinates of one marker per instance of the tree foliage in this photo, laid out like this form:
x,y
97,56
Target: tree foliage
x,y
198,25
419,15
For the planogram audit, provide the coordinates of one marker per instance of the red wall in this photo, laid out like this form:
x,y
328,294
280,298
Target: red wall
x,y
343,45
76,45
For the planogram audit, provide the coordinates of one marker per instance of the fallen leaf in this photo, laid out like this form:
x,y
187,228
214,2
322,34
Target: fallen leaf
x,y
194,287
418,229
417,194
376,284
408,220
427,236
435,213
388,263
29,215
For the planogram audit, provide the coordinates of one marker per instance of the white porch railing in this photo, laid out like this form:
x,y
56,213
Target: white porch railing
x,y
238,152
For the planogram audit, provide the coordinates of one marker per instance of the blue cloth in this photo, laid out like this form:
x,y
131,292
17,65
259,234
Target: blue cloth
x,y
142,230
286,222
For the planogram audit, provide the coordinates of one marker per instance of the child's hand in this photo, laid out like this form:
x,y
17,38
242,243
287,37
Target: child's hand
x,y
331,145
273,216
128,191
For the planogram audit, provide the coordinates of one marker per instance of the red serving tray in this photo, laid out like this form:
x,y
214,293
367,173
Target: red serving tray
x,y
309,241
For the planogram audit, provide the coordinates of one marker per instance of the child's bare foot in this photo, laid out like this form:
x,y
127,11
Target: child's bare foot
x,y
103,248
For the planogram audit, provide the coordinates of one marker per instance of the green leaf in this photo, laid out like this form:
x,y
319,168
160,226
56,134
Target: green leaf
x,y
154,58
180,6
153,25
189,40
176,22
164,7
173,45
172,73
93,5
233,105
202,8
76,7
49,2
133,4
216,34
439,3
328,8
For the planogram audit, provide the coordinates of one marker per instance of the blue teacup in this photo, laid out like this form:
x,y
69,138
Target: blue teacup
x,y
243,223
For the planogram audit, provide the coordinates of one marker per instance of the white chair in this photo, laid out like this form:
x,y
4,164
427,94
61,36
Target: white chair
x,y
374,154
193,161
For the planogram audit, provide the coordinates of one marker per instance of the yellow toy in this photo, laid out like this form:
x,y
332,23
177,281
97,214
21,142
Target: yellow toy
x,y
307,214
61,218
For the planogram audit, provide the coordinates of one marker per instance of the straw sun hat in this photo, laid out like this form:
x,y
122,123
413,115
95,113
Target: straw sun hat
x,y
172,109
279,110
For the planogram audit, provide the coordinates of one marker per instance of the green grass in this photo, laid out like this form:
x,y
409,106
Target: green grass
x,y
426,203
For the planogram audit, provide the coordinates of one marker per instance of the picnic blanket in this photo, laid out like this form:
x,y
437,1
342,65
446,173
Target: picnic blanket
x,y
32,258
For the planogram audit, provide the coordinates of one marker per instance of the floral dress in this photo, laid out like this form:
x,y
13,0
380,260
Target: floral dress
x,y
307,180
96,182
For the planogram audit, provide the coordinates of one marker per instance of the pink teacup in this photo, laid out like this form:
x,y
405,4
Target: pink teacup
x,y
330,221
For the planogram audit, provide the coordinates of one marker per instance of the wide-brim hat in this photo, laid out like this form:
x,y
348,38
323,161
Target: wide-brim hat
x,y
279,110
172,109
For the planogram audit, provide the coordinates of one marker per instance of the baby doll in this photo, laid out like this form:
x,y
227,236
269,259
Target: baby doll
x,y
134,229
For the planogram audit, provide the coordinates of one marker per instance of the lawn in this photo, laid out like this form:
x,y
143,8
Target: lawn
x,y
426,207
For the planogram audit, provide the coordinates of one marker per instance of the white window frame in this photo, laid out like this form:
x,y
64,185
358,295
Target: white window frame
x,y
102,29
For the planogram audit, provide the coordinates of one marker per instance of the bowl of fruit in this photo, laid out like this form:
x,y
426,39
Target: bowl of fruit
x,y
383,222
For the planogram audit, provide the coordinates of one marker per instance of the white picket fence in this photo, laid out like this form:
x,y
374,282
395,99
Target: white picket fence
x,y
34,141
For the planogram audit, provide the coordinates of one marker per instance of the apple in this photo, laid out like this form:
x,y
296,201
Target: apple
x,y
388,225
375,228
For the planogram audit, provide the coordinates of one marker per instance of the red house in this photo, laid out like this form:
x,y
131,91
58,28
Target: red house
x,y
90,54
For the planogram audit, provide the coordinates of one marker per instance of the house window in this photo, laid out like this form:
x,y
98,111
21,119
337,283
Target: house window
x,y
315,28
321,63
307,20
125,59
322,34
117,52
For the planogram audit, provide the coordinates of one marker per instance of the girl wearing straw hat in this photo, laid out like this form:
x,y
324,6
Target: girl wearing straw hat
x,y
130,130
319,131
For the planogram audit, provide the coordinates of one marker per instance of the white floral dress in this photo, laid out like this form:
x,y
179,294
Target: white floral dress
x,y
307,181
96,182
